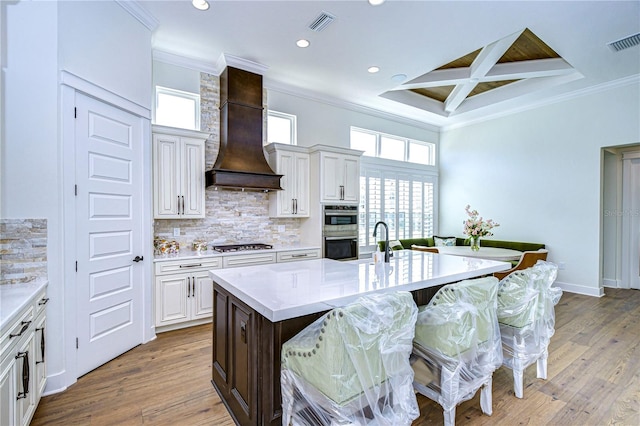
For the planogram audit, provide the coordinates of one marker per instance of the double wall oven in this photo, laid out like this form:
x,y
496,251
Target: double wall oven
x,y
340,232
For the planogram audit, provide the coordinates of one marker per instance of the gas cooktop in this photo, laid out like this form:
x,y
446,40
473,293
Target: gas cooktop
x,y
241,247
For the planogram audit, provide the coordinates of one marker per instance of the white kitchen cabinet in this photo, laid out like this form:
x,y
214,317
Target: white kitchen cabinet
x,y
22,363
178,173
255,258
184,292
292,162
339,178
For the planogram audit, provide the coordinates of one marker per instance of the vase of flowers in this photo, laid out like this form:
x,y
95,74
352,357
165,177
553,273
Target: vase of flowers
x,y
475,227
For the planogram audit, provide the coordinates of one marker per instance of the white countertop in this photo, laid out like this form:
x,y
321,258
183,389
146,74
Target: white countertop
x,y
493,253
13,297
187,254
282,291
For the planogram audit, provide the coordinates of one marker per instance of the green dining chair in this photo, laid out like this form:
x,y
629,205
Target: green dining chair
x,y
351,366
526,315
456,347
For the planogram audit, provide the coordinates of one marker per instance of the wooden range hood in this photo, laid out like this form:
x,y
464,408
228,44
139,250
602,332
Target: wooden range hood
x,y
241,163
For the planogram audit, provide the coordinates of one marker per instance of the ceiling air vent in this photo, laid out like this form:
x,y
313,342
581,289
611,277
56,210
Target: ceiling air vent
x,y
624,43
321,21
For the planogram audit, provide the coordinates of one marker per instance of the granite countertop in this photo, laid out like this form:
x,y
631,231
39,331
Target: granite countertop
x,y
13,297
186,254
282,291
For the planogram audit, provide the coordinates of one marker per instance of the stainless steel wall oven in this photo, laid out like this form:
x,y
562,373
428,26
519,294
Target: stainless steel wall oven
x,y
340,232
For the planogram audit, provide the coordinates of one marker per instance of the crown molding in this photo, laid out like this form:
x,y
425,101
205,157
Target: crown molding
x,y
339,103
181,61
227,60
621,82
136,10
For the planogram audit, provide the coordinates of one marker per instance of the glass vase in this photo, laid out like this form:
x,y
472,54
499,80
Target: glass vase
x,y
475,243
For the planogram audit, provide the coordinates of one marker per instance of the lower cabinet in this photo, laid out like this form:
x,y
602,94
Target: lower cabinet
x,y
184,292
22,366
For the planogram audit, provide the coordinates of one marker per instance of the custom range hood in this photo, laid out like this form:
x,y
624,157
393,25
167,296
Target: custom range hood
x,y
241,163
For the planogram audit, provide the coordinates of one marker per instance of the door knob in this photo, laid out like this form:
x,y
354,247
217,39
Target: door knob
x,y
138,258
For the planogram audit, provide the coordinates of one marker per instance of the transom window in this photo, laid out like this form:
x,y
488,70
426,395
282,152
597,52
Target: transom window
x,y
281,128
175,108
390,147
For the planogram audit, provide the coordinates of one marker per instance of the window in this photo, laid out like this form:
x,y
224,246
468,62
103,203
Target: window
x,y
176,108
403,197
375,144
281,128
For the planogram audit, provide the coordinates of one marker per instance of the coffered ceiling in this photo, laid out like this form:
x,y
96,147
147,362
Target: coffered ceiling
x,y
440,62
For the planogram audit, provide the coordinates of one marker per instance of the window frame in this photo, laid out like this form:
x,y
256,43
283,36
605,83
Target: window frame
x,y
293,126
431,146
179,94
400,171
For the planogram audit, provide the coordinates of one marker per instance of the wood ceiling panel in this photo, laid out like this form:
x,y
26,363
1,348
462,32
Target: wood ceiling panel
x,y
437,93
490,85
528,47
462,62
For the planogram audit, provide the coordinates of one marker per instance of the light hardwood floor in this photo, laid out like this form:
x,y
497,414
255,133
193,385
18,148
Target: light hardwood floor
x,y
593,378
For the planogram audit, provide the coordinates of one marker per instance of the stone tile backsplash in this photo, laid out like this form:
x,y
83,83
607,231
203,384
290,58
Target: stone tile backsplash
x,y
231,216
23,250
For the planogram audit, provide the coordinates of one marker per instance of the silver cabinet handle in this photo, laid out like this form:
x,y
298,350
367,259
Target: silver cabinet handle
x,y
193,265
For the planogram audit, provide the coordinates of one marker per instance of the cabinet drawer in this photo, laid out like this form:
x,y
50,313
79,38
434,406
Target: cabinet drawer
x,y
248,260
41,301
175,266
21,326
297,255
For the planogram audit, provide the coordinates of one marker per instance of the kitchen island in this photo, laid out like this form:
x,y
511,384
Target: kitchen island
x,y
258,308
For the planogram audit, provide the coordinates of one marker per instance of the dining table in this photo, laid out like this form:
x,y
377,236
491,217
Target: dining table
x,y
490,253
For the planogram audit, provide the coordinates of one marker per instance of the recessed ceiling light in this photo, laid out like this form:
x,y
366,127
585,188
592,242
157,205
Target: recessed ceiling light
x,y
399,78
376,2
200,4
373,70
302,43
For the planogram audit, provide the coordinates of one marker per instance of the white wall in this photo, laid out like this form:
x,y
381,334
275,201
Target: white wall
x,y
538,174
99,42
175,77
103,43
326,124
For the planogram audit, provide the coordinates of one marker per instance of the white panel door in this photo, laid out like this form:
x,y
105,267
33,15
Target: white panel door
x,y
166,193
351,183
108,146
202,295
331,177
631,223
192,177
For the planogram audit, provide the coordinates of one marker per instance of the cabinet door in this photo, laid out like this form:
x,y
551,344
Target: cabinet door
x,y
172,299
243,353
192,178
351,180
25,380
165,176
8,391
331,176
39,357
301,185
202,300
286,167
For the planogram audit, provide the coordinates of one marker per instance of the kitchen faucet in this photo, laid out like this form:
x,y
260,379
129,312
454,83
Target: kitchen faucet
x,y
387,253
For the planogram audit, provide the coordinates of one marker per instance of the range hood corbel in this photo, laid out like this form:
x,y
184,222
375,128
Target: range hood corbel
x,y
241,162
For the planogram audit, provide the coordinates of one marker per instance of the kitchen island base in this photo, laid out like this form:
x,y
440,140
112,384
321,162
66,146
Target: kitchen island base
x,y
246,356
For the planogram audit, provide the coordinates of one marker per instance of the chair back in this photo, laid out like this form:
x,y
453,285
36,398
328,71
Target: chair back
x,y
527,260
354,348
460,317
525,298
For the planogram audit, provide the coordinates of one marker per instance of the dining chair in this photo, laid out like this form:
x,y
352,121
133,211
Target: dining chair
x,y
351,366
527,260
457,347
526,316
424,248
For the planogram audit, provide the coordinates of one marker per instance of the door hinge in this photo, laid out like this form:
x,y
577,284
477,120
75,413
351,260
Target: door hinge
x,y
75,112
76,343
76,266
76,190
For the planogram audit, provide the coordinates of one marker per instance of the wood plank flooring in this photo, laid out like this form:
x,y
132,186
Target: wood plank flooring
x,y
593,378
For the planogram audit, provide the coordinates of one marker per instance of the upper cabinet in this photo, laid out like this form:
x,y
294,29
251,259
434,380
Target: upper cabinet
x,y
178,173
293,163
339,175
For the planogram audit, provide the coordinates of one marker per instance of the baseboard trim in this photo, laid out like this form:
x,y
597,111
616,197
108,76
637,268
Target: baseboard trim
x,y
580,289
